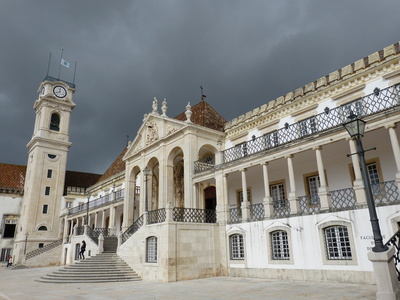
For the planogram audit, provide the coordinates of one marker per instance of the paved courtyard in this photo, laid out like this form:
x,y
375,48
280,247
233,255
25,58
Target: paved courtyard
x,y
20,284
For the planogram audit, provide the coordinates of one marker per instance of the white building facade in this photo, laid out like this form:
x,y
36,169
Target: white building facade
x,y
275,193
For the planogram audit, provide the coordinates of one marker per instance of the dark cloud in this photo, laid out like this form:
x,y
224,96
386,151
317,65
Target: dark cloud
x,y
244,53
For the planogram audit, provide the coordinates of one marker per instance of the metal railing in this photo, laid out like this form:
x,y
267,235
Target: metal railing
x,y
257,212
156,216
235,214
378,101
309,204
395,242
281,208
343,198
385,192
194,215
205,163
104,200
79,230
132,229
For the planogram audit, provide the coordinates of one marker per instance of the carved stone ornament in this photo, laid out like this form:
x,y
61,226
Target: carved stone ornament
x,y
155,106
188,113
164,108
170,129
151,132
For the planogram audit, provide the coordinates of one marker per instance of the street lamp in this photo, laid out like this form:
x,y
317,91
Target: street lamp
x,y
355,127
146,172
87,208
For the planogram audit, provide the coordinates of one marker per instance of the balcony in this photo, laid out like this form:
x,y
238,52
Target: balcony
x,y
344,199
330,119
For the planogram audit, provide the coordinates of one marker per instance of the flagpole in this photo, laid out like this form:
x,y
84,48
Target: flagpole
x,y
59,67
73,80
48,66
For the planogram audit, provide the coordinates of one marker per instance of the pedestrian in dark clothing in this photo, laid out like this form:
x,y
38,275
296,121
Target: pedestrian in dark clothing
x,y
83,249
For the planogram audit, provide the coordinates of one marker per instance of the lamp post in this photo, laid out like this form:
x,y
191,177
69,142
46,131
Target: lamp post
x,y
355,127
87,208
146,173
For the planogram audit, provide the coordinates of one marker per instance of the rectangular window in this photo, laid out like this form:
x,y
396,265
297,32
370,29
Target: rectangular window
x,y
41,245
5,253
9,230
47,192
236,247
49,173
68,204
373,176
307,126
337,243
278,194
239,197
279,245
151,255
45,207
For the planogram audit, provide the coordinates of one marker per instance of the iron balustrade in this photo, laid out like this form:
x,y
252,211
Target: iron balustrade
x,y
79,230
376,102
385,192
235,214
156,216
257,211
281,208
343,198
97,231
194,215
132,229
205,163
309,204
395,242
104,200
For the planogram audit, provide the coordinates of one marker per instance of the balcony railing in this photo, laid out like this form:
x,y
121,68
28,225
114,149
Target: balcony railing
x,y
156,216
395,242
383,193
116,196
194,215
344,198
378,101
132,229
204,164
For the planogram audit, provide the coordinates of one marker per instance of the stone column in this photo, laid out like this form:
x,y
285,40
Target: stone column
x,y
294,203
387,284
268,201
323,191
358,181
245,205
396,150
220,186
65,233
103,220
95,219
111,224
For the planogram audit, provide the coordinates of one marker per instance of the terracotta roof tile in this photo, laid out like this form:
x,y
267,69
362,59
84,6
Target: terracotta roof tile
x,y
12,177
203,114
79,179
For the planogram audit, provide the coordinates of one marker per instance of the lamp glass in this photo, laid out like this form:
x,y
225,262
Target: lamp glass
x,y
146,171
355,126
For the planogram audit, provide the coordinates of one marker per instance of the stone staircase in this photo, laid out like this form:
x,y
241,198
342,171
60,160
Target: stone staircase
x,y
105,267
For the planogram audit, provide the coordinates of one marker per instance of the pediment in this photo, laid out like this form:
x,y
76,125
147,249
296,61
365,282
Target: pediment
x,y
153,129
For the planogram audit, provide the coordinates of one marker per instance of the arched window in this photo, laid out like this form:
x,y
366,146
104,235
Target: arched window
x,y
337,243
42,228
55,122
151,249
236,246
279,245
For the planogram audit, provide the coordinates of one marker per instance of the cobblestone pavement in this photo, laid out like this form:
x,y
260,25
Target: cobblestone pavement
x,y
20,284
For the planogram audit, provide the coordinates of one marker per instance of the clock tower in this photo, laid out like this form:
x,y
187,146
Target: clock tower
x,y
39,223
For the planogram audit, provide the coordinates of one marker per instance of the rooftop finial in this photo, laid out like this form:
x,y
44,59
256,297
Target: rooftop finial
x,y
202,95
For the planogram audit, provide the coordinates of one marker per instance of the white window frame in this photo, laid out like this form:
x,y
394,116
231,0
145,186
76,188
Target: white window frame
x,y
236,247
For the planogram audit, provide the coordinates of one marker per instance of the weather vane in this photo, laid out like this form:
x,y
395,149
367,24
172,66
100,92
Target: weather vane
x,y
202,95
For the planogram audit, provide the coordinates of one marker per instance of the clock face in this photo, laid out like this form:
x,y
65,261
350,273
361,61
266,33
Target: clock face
x,y
59,91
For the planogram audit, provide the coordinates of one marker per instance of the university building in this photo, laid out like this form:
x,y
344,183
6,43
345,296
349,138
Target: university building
x,y
274,193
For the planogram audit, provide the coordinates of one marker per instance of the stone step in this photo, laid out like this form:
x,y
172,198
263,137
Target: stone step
x,y
105,267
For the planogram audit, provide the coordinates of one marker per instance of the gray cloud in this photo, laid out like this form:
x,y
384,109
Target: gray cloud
x,y
244,53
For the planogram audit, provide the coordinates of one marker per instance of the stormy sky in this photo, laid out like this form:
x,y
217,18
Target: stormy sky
x,y
244,53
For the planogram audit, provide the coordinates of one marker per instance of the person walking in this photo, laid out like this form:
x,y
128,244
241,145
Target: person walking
x,y
9,261
82,252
